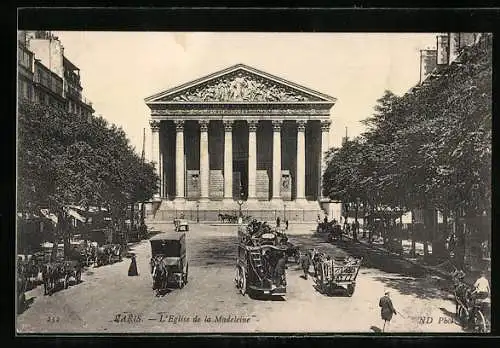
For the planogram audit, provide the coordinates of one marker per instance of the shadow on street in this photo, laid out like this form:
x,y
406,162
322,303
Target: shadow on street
x,y
220,251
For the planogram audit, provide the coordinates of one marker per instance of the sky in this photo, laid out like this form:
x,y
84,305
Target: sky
x,y
119,69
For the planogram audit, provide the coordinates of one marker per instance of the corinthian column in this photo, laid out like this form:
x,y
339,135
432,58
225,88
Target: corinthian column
x,y
204,161
325,140
301,162
155,151
179,160
228,161
276,160
252,159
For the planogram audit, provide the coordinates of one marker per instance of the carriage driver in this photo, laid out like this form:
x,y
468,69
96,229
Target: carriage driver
x,y
481,287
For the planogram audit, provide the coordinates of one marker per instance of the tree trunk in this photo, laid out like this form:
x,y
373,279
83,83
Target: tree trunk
x,y
413,236
439,241
364,219
460,244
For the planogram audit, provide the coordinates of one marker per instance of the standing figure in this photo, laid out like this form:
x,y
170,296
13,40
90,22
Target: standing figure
x,y
132,270
305,262
278,221
386,309
279,271
286,225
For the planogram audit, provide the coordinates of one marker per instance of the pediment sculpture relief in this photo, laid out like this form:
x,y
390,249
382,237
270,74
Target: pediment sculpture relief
x,y
239,88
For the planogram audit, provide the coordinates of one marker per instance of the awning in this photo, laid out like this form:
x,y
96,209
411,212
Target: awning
x,y
75,215
49,215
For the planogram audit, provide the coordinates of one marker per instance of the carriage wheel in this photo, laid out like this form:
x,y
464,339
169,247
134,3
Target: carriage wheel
x,y
237,277
350,289
110,258
478,322
242,282
463,314
65,282
186,274
180,283
78,276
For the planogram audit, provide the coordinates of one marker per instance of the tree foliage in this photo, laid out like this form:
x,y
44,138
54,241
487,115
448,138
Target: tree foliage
x,y
428,148
65,159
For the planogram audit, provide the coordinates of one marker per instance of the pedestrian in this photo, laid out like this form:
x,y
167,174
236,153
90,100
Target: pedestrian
x,y
286,225
325,220
132,270
305,262
278,222
319,219
279,271
386,309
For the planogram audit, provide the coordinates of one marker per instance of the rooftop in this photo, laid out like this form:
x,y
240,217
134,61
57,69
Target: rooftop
x,y
168,236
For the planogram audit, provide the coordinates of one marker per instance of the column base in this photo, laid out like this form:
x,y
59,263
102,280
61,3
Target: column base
x,y
179,200
204,200
301,201
276,202
228,201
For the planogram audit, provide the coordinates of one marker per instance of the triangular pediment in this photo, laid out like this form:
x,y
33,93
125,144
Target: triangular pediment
x,y
240,84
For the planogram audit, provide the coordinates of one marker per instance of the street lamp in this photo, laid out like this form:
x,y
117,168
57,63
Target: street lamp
x,y
197,212
240,203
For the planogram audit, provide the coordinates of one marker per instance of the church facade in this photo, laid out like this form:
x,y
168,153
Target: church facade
x,y
239,136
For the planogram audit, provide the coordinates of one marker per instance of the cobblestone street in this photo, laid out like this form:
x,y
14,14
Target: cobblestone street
x,y
422,301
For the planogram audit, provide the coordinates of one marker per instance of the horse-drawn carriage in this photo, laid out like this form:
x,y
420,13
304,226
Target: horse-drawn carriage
x,y
333,274
472,312
59,271
168,261
108,254
181,225
331,228
260,264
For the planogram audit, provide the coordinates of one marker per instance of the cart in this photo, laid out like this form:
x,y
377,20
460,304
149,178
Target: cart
x,y
168,261
332,274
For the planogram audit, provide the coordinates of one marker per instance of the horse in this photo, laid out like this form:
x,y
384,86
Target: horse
x,y
51,273
160,274
461,290
103,255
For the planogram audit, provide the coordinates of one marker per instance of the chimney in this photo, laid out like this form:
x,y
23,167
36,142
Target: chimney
x,y
442,50
428,62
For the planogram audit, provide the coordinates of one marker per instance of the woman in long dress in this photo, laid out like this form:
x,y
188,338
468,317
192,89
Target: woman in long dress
x,y
132,270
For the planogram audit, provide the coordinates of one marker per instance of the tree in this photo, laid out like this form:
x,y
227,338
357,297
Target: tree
x,y
65,159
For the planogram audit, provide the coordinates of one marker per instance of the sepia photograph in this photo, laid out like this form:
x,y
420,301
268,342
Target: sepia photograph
x,y
253,182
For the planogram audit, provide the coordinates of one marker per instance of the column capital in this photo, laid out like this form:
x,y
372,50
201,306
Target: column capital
x,y
228,126
301,125
179,125
277,125
325,126
155,125
204,125
252,125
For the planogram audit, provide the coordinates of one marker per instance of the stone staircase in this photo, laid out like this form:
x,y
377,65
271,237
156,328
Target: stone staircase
x,y
216,184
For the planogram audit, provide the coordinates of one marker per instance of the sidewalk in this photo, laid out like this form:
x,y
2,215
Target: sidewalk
x,y
442,270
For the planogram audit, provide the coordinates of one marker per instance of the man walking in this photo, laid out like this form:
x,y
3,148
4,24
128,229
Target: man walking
x,y
386,309
305,262
278,222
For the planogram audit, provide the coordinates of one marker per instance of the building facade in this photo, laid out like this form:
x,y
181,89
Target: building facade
x,y
240,134
46,76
